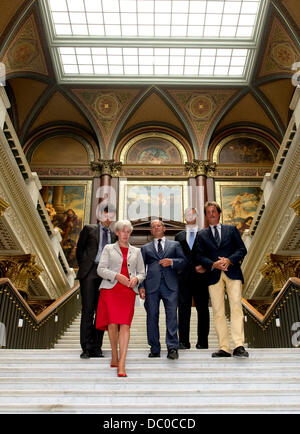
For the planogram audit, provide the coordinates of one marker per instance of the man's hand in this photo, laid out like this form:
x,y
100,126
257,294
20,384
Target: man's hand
x,y
166,262
142,293
222,264
200,269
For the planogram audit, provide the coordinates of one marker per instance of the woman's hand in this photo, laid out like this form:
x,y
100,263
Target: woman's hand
x,y
133,282
123,279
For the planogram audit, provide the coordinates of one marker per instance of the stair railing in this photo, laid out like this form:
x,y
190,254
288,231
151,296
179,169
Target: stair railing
x,y
21,328
279,327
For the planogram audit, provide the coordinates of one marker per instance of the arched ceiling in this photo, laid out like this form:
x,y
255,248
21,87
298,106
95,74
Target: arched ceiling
x,y
106,113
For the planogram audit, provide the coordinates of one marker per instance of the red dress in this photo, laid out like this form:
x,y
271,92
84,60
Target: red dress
x,y
116,305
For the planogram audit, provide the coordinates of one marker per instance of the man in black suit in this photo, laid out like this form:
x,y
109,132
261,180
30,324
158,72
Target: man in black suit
x,y
91,242
192,284
221,251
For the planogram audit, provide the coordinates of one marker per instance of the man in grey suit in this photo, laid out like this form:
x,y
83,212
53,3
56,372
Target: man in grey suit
x,y
163,258
91,242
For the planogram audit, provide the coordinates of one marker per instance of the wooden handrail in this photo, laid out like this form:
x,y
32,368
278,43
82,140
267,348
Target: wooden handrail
x,y
49,310
263,318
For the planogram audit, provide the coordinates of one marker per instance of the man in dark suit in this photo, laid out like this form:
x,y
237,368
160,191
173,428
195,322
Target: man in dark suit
x,y
91,242
194,285
221,250
163,258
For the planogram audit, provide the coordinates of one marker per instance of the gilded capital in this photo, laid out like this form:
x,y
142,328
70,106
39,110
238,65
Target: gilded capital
x,y
279,268
210,169
106,167
3,206
199,168
296,207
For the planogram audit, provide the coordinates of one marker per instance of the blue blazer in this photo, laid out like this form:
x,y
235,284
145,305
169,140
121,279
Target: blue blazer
x,y
231,247
154,271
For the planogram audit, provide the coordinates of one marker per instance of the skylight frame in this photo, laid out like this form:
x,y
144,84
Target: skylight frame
x,y
57,42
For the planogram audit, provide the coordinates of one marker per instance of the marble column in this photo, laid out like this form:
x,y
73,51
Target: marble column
x,y
102,188
198,170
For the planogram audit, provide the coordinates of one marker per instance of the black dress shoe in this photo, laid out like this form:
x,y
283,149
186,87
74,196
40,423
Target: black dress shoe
x,y
96,353
201,347
85,355
172,354
240,352
151,355
221,353
183,346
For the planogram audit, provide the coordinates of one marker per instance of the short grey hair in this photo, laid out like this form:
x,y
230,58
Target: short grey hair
x,y
121,224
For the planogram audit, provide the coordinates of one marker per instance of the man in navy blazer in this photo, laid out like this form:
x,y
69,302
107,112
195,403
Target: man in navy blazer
x,y
221,250
163,258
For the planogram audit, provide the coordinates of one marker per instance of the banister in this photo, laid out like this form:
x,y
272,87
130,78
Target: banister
x,y
278,327
263,318
25,329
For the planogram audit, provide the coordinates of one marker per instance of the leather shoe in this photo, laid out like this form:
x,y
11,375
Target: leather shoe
x,y
183,346
96,353
201,347
240,352
221,353
151,355
172,354
85,355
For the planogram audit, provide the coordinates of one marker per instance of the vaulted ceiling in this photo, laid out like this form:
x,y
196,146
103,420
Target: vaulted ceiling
x,y
104,113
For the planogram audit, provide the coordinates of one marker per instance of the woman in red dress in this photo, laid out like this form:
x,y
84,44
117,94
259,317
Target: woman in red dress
x,y
122,269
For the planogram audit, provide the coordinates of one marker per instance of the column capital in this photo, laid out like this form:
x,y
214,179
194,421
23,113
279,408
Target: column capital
x,y
106,167
197,168
210,169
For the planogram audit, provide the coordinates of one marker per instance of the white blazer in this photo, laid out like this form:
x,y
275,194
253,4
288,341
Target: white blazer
x,y
110,265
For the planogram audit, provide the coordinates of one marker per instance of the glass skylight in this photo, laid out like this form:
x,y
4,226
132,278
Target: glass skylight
x,y
182,40
155,18
154,61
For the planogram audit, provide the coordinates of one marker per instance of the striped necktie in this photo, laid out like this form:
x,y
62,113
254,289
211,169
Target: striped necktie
x,y
160,249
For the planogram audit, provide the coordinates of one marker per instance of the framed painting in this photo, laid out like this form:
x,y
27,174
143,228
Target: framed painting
x,y
239,201
68,205
140,200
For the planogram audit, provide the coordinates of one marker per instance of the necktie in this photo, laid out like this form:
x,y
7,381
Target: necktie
x,y
104,237
191,239
160,249
217,236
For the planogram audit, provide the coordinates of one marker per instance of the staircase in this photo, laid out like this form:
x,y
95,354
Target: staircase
x,y
58,381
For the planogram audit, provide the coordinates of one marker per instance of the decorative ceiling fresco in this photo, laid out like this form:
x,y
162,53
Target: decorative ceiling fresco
x,y
105,113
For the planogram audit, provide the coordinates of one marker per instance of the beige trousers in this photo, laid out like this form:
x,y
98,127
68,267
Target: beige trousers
x,y
234,292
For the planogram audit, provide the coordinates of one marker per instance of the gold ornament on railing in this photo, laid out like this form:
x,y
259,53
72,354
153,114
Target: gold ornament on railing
x,y
3,206
296,207
279,269
19,269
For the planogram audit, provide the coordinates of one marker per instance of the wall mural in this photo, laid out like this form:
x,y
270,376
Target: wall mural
x,y
153,151
245,150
